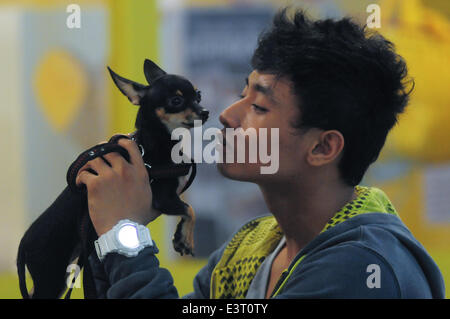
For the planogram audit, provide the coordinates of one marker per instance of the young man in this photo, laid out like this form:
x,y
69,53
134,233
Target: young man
x,y
334,91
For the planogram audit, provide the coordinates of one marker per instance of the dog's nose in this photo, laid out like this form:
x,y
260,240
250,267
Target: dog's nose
x,y
204,115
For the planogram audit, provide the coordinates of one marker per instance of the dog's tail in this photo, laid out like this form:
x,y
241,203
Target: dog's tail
x,y
21,262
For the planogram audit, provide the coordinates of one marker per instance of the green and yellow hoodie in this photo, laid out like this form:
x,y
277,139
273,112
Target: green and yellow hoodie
x,y
364,251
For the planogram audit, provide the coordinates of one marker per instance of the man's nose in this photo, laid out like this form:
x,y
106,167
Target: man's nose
x,y
230,116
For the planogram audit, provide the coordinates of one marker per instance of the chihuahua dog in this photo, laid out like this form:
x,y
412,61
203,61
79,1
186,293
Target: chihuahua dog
x,y
64,234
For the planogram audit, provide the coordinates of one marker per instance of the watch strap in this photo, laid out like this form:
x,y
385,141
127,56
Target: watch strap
x,y
105,244
144,236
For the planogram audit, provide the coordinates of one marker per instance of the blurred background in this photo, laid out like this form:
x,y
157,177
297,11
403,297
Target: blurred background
x,y
57,100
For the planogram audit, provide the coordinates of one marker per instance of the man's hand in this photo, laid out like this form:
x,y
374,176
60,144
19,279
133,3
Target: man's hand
x,y
119,191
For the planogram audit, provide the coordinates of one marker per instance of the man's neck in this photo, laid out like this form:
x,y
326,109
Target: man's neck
x,y
303,209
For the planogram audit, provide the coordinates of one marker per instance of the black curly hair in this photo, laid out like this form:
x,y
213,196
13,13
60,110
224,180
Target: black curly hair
x,y
346,78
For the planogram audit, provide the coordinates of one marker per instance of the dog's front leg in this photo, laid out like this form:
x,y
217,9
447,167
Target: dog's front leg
x,y
183,240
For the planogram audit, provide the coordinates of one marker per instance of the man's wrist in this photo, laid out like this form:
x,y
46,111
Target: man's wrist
x,y
100,232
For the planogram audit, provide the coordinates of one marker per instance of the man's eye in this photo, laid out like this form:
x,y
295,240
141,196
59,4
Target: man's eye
x,y
259,109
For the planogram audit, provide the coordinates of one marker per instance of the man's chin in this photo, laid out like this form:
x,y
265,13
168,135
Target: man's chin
x,y
238,172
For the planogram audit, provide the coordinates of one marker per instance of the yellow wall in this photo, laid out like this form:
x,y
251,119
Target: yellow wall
x,y
421,35
134,37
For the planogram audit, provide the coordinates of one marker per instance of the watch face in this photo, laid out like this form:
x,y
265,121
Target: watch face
x,y
128,236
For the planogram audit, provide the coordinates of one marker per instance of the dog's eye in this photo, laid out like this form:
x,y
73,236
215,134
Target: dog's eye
x,y
176,101
199,96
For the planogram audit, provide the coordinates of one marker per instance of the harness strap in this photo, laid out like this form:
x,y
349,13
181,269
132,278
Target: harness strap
x,y
154,172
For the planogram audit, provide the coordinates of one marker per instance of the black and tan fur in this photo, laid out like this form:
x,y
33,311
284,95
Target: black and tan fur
x,y
168,102
64,234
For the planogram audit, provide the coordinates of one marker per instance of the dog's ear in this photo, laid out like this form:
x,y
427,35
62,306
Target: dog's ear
x,y
152,71
132,90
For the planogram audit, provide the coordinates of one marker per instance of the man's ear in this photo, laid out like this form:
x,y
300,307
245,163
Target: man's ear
x,y
152,71
327,147
132,90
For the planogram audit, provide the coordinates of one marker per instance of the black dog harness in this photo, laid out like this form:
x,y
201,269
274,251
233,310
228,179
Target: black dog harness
x,y
154,172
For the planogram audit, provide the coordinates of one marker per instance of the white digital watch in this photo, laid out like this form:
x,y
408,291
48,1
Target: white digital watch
x,y
126,238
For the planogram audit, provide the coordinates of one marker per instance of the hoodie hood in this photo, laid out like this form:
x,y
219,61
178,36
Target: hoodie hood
x,y
372,223
368,200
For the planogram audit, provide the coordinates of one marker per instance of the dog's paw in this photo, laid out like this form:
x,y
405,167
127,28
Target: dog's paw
x,y
182,247
183,239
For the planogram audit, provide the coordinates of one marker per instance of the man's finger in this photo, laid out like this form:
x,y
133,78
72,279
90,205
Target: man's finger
x,y
84,177
93,165
98,165
133,150
115,159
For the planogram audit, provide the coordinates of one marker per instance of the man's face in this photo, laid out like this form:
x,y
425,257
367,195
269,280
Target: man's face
x,y
266,102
